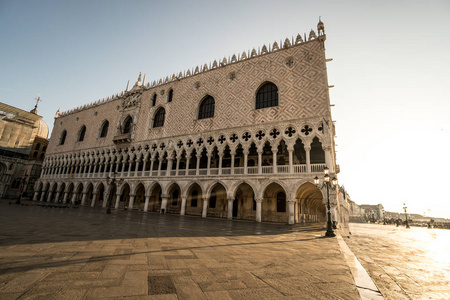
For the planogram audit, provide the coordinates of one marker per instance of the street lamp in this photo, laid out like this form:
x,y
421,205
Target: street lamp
x,y
406,216
112,183
23,185
326,183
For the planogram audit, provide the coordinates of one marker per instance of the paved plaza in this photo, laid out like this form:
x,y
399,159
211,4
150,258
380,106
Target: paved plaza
x,y
404,263
82,253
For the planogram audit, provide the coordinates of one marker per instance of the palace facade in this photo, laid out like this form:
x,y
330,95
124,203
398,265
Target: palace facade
x,y
240,138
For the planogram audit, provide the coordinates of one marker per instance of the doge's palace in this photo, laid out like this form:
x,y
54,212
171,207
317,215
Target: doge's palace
x,y
240,138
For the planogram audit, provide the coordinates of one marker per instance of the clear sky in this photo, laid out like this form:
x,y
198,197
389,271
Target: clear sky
x,y
390,70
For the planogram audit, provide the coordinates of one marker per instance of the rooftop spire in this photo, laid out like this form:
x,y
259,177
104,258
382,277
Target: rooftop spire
x,y
38,99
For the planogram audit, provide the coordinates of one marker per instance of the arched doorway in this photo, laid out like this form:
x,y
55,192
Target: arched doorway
x,y
194,203
243,203
89,194
79,194
139,199
174,203
274,206
69,192
217,202
155,198
310,205
100,195
124,196
62,189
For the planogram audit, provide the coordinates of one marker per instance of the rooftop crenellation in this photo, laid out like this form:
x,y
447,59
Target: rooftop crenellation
x,y
218,63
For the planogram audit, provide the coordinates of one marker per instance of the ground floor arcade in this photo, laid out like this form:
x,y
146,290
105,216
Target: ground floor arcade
x,y
291,201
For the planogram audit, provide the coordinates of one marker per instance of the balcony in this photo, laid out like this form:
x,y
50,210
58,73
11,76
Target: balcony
x,y
283,170
122,138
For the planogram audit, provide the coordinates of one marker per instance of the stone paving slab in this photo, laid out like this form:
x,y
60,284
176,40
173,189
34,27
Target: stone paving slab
x,y
51,253
404,263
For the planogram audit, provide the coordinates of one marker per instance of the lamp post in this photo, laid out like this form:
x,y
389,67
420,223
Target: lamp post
x,y
112,183
326,183
23,184
406,216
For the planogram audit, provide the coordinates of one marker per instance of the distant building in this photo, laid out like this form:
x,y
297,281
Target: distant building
x,y
240,138
373,212
23,143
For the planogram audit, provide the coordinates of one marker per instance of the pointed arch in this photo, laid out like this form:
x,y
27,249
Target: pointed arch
x,y
127,125
104,129
62,138
81,133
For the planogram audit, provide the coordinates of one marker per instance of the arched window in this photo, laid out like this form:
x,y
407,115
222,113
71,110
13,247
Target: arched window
x,y
317,155
38,145
81,133
154,99
62,139
175,198
104,129
281,202
267,96
158,120
206,109
194,199
170,96
127,125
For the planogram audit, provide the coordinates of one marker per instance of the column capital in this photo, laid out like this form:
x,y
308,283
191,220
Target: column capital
x,y
291,200
307,148
259,200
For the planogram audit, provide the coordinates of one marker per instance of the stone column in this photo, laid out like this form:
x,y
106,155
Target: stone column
x,y
35,196
42,195
147,200
160,159
94,197
208,167
123,167
220,161
66,195
291,159
178,164
164,198
274,158
131,202
328,162
188,158
308,159
260,151
169,165
230,208
116,206
152,161
49,197
245,161
291,203
144,164
183,206
83,198
233,154
199,156
205,207
258,209
74,198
